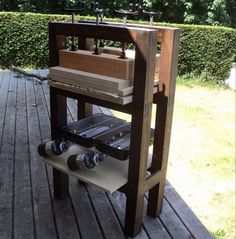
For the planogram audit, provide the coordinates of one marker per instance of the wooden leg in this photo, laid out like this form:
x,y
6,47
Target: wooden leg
x,y
58,111
60,184
133,214
58,119
155,199
140,132
81,109
84,109
88,109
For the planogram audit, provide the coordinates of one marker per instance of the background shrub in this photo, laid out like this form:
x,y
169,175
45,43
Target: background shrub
x,y
204,50
207,51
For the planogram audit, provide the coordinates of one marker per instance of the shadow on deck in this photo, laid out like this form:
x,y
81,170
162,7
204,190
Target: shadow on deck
x,y
27,207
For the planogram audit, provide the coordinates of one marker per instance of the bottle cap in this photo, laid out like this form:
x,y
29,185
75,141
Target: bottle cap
x,y
41,150
71,162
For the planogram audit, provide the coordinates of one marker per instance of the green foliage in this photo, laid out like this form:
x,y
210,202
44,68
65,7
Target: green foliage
x,y
219,234
207,51
24,39
217,14
213,12
204,51
231,10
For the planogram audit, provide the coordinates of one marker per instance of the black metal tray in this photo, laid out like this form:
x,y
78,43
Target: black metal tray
x,y
83,131
116,142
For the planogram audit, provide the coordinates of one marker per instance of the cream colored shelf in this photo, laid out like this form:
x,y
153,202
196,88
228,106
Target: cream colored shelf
x,y
109,176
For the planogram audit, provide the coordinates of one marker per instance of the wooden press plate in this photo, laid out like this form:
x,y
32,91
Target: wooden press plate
x,y
103,64
92,93
85,79
114,98
129,53
92,81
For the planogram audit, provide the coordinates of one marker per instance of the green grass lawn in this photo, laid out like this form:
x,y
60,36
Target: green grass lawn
x,y
202,154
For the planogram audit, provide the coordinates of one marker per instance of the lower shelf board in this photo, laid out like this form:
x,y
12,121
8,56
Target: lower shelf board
x,y
109,176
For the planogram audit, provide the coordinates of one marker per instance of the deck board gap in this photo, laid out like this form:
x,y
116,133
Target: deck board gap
x,y
29,160
114,210
14,159
180,218
75,217
4,104
44,222
63,207
160,220
186,215
47,103
1,80
7,161
43,73
45,167
95,213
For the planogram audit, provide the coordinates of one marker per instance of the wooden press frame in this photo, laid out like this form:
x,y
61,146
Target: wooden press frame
x,y
145,39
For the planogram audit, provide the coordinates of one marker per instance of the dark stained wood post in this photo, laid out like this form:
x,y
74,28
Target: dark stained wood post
x,y
164,113
140,129
58,112
58,108
84,109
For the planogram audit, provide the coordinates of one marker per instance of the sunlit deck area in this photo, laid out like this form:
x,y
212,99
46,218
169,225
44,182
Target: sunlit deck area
x,y
27,205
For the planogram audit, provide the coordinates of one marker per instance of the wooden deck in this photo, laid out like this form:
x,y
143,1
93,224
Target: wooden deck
x,y
27,207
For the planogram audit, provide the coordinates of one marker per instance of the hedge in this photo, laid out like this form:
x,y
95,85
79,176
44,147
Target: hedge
x,y
204,50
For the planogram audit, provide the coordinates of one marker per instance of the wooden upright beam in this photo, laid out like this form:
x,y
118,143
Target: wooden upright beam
x,y
58,118
140,129
84,109
164,113
58,111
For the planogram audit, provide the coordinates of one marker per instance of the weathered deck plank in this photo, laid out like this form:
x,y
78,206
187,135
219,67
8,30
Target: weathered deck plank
x,y
43,212
3,99
105,214
62,209
87,221
27,206
23,213
173,224
186,215
118,202
7,161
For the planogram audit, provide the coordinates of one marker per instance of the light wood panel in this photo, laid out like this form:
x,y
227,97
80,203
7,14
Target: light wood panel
x,y
110,175
115,98
85,79
129,53
91,81
98,94
103,64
